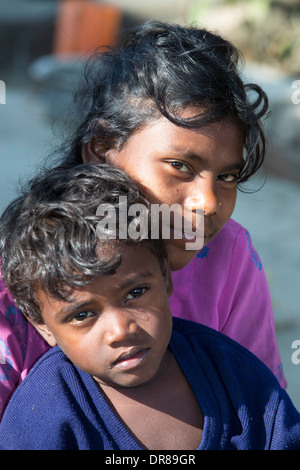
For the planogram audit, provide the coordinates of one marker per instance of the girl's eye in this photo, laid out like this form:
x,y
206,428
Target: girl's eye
x,y
136,293
180,166
229,178
81,317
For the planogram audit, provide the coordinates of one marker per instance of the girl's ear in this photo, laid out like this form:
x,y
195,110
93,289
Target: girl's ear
x,y
90,153
44,331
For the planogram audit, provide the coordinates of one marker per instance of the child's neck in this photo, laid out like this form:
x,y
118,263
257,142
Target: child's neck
x,y
163,414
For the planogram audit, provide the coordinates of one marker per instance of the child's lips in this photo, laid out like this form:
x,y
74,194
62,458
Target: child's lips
x,y
130,359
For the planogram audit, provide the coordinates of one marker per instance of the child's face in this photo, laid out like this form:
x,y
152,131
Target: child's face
x,y
119,326
181,166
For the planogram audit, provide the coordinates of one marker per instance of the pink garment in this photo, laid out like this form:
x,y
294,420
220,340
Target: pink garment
x,y
20,346
223,287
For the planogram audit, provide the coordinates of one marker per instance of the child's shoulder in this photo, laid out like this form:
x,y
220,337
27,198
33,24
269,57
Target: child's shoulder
x,y
49,407
52,367
51,385
214,347
52,374
240,384
54,358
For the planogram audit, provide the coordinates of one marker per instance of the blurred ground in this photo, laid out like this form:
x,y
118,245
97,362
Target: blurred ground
x,y
271,214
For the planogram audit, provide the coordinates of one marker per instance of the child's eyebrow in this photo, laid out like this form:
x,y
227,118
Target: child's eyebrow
x,y
71,308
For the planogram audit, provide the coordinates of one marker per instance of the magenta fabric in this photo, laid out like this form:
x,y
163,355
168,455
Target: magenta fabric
x,y
20,346
223,287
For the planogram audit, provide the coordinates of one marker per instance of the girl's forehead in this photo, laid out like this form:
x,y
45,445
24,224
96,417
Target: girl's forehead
x,y
163,131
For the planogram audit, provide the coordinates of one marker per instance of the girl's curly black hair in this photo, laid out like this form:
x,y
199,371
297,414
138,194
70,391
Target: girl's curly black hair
x,y
48,235
161,69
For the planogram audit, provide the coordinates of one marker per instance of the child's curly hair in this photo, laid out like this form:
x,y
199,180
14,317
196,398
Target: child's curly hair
x,y
48,235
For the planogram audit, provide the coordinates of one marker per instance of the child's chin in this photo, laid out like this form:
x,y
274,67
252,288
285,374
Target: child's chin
x,y
131,383
124,380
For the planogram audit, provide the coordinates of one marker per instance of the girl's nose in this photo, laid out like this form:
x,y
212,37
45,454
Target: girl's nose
x,y
119,327
204,198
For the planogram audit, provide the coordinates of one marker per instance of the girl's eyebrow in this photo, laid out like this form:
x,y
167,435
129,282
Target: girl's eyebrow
x,y
198,158
182,152
234,166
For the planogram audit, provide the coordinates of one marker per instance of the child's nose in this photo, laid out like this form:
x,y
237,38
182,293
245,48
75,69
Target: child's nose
x,y
119,328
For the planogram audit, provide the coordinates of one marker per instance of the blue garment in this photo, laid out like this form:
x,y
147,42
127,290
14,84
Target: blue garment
x,y
60,407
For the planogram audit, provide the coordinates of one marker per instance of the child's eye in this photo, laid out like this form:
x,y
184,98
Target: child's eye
x,y
180,166
81,317
136,293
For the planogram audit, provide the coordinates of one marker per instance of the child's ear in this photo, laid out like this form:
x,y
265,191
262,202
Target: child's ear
x,y
44,331
167,274
91,153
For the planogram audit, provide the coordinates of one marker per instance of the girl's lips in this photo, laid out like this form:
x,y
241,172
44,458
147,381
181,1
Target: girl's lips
x,y
131,359
181,237
184,240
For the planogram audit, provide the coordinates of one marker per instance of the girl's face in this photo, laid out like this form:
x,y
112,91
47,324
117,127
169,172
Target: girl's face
x,y
175,165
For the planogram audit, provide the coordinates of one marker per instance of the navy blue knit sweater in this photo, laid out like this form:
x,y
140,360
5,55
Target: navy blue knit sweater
x,y
60,407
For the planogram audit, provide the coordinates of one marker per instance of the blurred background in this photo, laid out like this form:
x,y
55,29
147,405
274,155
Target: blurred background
x,y
43,46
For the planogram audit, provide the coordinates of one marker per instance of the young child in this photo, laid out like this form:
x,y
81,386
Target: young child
x,y
168,106
121,374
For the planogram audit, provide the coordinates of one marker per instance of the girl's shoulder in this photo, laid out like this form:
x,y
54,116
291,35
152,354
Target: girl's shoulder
x,y
20,346
233,240
231,234
13,328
